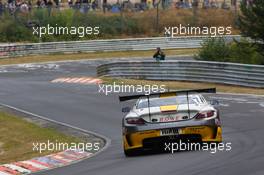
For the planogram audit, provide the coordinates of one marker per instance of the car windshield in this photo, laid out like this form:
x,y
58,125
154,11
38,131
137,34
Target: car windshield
x,y
175,100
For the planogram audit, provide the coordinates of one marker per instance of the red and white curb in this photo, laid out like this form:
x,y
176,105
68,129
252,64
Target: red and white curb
x,y
44,163
78,80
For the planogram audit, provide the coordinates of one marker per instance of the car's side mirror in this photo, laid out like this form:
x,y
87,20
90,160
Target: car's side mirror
x,y
214,102
126,109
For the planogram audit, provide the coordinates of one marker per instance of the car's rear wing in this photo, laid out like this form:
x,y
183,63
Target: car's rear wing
x,y
187,92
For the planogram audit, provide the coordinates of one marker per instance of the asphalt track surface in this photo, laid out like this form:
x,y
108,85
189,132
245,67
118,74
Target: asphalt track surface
x,y
28,87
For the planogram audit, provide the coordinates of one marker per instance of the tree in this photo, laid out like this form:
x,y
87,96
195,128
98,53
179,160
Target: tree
x,y
251,22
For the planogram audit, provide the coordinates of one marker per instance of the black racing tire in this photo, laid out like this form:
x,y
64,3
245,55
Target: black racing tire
x,y
132,152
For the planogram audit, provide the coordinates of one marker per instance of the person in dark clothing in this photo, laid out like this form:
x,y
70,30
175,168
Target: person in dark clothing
x,y
77,4
1,7
94,5
49,4
38,3
29,5
56,3
70,3
104,5
159,55
45,2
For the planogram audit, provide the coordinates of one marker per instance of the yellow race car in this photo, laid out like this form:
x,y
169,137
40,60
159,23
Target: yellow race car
x,y
160,118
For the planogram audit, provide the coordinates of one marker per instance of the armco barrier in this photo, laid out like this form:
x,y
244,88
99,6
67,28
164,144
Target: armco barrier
x,y
14,50
200,71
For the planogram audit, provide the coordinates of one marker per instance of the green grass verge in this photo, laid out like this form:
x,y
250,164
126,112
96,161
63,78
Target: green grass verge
x,y
95,55
18,135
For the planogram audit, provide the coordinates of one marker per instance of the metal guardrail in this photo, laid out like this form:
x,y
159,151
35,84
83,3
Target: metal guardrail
x,y
15,50
199,71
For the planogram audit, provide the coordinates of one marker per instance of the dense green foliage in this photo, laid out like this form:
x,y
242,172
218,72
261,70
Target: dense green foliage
x,y
216,49
251,22
16,29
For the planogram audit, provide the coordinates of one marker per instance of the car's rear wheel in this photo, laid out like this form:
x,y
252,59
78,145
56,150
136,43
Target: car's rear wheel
x,y
132,152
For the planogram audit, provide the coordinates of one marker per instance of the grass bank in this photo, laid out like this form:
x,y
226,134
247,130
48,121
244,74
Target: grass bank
x,y
95,55
18,135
